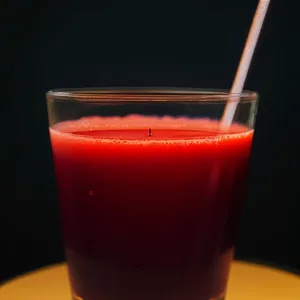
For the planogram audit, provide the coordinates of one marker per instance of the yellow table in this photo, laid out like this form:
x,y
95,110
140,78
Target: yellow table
x,y
247,282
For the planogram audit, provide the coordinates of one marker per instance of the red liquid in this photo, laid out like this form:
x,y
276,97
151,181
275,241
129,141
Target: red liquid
x,y
149,217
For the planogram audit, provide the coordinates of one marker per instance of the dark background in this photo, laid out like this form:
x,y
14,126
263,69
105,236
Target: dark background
x,y
53,44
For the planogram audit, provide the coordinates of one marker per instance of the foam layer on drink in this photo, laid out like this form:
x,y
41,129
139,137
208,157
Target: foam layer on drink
x,y
167,130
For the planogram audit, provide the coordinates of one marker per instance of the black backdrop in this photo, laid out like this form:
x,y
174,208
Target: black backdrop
x,y
52,44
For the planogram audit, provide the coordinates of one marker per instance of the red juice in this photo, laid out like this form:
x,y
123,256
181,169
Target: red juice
x,y
149,214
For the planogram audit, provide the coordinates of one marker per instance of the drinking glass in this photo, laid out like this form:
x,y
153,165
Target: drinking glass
x,y
150,186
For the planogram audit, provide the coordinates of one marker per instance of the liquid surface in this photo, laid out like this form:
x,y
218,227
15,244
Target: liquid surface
x,y
145,134
149,217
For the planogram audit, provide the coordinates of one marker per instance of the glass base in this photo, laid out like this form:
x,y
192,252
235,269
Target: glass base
x,y
220,297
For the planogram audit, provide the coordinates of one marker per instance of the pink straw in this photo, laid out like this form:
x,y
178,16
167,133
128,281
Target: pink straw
x,y
242,71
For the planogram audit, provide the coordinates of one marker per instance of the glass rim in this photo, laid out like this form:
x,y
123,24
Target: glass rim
x,y
153,94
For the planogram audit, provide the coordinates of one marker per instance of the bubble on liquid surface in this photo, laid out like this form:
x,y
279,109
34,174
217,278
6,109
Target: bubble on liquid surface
x,y
91,193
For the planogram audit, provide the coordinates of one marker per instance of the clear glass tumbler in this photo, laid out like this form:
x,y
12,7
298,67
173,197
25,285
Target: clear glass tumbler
x,y
150,188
